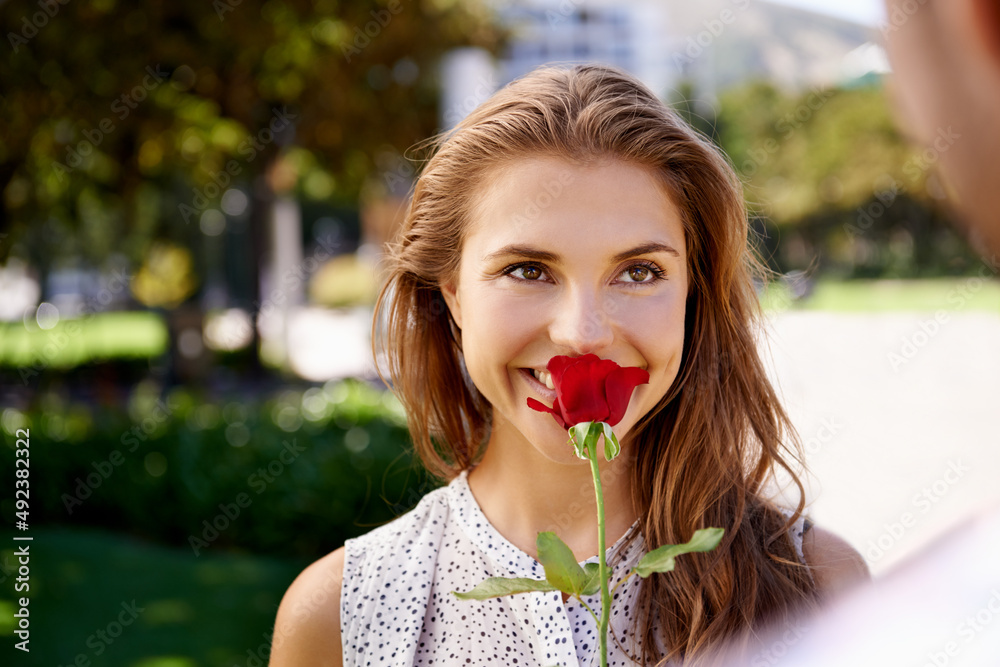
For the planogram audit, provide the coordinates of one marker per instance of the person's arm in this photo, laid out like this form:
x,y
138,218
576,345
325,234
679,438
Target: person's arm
x,y
836,565
307,629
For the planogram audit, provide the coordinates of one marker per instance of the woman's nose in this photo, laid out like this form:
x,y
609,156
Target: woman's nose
x,y
583,322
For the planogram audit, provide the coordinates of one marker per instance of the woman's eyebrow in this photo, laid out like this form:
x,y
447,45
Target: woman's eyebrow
x,y
543,255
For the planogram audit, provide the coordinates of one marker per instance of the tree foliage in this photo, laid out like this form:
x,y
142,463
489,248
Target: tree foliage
x,y
117,116
834,185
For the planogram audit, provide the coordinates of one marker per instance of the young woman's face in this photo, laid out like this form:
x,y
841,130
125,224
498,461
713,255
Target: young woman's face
x,y
562,259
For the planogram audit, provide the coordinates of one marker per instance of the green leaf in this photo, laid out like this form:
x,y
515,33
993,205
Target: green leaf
x,y
578,436
495,587
593,581
561,568
662,559
611,446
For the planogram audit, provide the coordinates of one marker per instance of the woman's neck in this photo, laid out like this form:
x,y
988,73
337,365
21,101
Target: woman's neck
x,y
523,493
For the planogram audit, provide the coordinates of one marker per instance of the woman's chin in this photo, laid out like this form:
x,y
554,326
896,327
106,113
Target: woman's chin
x,y
551,443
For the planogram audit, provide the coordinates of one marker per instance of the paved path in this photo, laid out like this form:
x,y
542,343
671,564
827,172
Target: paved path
x,y
899,417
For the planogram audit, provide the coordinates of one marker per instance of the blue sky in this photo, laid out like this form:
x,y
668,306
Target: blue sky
x,y
864,11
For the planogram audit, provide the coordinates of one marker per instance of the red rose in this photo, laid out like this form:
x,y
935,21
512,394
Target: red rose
x,y
590,389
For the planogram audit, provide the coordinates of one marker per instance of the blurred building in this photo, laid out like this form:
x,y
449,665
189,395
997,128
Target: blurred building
x,y
637,37
710,44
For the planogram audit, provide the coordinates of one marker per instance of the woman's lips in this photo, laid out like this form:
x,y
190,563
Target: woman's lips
x,y
538,387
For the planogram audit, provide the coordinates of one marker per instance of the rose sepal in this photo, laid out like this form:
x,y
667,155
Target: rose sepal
x,y
612,447
578,437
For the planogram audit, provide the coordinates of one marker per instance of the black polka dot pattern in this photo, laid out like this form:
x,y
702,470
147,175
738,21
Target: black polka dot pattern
x,y
397,607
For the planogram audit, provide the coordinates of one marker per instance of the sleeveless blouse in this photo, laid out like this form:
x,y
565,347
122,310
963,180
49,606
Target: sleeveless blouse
x,y
397,606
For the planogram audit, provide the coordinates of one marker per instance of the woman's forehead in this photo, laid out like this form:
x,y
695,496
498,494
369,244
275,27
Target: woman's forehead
x,y
538,196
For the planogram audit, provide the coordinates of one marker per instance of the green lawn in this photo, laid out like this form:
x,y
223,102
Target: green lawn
x,y
74,342
188,611
954,294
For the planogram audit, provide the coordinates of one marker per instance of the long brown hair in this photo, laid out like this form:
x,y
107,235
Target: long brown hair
x,y
704,454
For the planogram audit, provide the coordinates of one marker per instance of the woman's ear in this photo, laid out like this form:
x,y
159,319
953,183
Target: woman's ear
x,y
449,290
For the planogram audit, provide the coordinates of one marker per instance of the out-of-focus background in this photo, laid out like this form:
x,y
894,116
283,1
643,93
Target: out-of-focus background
x,y
195,200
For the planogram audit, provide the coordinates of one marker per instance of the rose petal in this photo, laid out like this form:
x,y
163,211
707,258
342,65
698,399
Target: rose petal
x,y
541,407
619,386
558,366
589,388
582,396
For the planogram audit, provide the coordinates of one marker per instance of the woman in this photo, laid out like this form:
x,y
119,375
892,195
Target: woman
x,y
571,214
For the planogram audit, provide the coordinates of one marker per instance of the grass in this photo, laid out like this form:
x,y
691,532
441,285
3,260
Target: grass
x,y
870,296
74,342
215,609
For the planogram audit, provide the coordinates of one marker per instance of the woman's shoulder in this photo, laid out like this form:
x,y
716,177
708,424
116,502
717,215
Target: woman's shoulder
x,y
307,628
835,565
427,517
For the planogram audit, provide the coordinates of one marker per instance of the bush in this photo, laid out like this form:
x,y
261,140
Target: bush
x,y
294,474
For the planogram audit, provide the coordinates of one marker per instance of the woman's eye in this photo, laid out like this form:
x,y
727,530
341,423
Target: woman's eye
x,y
637,273
531,272
528,271
642,273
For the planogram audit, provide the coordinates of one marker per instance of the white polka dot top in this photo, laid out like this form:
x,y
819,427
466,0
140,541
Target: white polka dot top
x,y
397,607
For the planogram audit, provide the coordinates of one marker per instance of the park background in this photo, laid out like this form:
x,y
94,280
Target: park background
x,y
195,198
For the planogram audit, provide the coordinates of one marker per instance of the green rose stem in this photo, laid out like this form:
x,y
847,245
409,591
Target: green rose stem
x,y
591,446
609,386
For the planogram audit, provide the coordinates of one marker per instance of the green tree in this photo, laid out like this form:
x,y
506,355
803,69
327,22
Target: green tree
x,y
838,185
123,123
